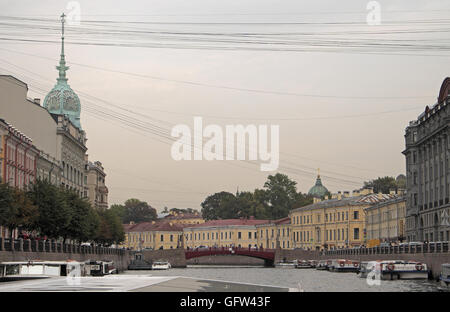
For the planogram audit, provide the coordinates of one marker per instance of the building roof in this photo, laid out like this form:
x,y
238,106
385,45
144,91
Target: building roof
x,y
390,201
369,199
182,215
318,190
286,220
229,222
153,226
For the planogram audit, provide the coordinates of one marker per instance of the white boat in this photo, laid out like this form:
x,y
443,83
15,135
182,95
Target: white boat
x,y
395,269
161,265
286,264
343,265
322,265
40,269
445,275
303,264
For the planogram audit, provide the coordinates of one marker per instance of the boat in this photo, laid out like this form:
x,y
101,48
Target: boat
x,y
313,263
322,265
394,269
445,275
100,268
161,265
286,264
303,264
343,265
14,270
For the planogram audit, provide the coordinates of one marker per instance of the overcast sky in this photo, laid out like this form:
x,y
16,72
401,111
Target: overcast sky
x,y
351,127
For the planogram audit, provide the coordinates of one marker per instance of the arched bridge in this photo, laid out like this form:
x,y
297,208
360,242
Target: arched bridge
x,y
268,255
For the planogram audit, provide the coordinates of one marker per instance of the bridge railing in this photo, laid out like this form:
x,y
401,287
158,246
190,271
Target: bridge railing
x,y
52,246
433,247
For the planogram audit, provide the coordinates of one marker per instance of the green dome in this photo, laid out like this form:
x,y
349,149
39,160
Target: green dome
x,y
318,190
62,100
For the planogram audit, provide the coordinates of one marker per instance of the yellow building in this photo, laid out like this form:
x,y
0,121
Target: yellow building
x,y
184,218
222,233
153,235
268,234
385,221
333,223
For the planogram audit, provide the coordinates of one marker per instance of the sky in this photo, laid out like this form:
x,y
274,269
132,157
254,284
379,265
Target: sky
x,y
341,91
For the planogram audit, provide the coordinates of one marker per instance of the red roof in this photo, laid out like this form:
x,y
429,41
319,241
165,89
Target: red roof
x,y
150,226
225,222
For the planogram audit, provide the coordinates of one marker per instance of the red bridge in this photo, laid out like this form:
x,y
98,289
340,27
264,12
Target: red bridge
x,y
267,254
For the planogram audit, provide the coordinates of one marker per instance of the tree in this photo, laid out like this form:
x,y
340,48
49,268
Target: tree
x,y
83,221
383,185
6,198
119,210
54,215
110,228
281,195
138,211
218,206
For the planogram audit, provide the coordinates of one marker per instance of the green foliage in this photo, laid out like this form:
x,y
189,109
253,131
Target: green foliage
x,y
54,211
275,201
110,230
138,211
384,184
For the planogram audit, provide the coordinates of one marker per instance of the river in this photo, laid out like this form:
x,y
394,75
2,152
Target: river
x,y
308,280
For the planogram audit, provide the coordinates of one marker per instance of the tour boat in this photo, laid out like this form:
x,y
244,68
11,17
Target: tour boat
x,y
342,265
445,275
313,263
322,265
40,269
286,264
161,265
303,264
395,269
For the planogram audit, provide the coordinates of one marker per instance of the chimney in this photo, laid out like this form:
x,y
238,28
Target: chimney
x,y
326,197
380,195
339,196
401,192
333,196
392,191
370,189
346,194
131,222
355,193
316,200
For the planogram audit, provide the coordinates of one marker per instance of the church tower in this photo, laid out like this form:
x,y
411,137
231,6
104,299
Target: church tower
x,y
62,100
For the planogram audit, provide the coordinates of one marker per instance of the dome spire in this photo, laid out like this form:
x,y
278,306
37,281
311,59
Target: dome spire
x,y
62,68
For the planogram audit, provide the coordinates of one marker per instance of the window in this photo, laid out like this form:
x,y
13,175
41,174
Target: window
x,y
171,237
162,237
355,215
326,217
249,235
356,233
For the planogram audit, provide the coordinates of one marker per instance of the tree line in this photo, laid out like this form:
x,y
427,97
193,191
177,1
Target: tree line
x,y
274,201
55,212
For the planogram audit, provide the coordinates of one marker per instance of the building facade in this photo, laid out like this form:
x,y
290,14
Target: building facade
x,y
427,154
153,235
333,223
275,234
97,190
223,233
385,221
18,157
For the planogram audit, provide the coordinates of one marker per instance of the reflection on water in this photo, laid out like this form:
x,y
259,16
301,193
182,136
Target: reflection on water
x,y
307,279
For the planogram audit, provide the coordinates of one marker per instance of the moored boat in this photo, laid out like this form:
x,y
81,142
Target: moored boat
x,y
286,264
445,275
303,264
399,269
161,265
322,265
343,265
13,270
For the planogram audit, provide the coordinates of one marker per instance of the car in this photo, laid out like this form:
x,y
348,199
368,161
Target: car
x,y
384,244
415,243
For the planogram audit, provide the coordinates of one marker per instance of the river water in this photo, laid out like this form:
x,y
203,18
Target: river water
x,y
308,280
